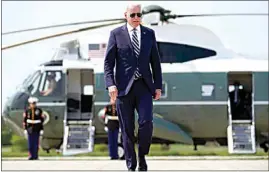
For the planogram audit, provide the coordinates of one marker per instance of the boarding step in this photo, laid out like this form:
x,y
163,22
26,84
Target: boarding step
x,y
78,139
242,138
241,121
79,116
78,122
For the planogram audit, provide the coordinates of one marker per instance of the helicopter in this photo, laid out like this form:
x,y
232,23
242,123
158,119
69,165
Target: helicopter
x,y
195,107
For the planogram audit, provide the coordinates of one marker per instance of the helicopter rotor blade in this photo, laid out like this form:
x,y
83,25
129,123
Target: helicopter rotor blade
x,y
60,34
224,14
61,25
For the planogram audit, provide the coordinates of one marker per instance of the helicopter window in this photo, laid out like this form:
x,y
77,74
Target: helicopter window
x,y
93,46
27,81
30,79
88,90
34,85
50,83
43,78
179,53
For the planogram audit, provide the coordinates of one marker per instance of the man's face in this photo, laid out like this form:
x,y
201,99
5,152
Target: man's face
x,y
51,77
32,105
112,102
133,15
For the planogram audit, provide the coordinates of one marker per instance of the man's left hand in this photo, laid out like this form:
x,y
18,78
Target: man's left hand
x,y
158,94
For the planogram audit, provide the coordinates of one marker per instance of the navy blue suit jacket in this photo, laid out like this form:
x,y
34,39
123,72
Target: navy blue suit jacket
x,y
120,53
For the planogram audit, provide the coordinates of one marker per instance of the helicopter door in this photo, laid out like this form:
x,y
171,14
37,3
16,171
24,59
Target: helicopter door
x,y
241,129
78,129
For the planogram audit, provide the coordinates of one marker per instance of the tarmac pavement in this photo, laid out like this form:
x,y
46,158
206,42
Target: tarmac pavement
x,y
154,163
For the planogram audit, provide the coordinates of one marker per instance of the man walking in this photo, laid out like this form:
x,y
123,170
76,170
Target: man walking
x,y
133,48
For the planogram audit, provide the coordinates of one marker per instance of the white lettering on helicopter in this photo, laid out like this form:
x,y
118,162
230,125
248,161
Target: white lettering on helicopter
x,y
207,90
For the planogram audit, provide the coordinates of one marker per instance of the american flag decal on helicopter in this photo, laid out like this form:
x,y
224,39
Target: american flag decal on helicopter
x,y
97,50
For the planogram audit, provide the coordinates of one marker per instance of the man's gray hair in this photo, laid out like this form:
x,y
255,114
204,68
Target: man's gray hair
x,y
133,5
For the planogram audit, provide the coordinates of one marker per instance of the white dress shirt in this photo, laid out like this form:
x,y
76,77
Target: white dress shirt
x,y
138,32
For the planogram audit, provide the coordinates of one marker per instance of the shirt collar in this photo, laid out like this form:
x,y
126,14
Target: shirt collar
x,y
130,28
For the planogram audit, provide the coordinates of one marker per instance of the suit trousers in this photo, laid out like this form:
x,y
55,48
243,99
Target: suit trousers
x,y
139,98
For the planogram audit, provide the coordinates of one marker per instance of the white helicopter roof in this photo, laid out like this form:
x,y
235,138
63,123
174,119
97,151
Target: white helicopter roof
x,y
187,34
225,60
171,33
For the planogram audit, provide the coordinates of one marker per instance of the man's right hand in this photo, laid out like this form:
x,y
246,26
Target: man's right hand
x,y
113,92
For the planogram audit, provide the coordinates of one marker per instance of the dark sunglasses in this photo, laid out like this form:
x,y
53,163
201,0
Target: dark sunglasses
x,y
137,14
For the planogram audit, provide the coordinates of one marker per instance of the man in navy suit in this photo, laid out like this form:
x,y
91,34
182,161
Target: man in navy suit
x,y
132,48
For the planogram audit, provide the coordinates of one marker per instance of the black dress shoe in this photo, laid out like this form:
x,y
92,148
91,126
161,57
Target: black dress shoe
x,y
114,158
142,169
131,169
142,164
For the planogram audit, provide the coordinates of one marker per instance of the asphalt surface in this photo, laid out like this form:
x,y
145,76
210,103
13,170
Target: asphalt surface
x,y
160,164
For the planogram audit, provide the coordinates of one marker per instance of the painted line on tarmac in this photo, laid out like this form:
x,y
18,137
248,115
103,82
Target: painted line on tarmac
x,y
148,158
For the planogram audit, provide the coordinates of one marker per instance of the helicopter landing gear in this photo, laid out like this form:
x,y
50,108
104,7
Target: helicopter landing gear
x,y
265,146
58,151
121,152
165,146
198,141
195,147
47,150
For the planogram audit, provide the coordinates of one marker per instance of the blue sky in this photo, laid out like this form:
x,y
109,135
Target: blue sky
x,y
247,35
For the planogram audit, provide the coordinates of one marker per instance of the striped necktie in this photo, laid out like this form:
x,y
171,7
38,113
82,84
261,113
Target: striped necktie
x,y
136,51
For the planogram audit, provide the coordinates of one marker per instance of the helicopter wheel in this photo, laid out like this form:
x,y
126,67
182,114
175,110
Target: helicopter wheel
x,y
58,151
265,146
121,152
195,147
165,146
47,150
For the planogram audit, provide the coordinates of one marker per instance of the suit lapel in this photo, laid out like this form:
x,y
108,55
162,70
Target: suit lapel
x,y
127,37
142,40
